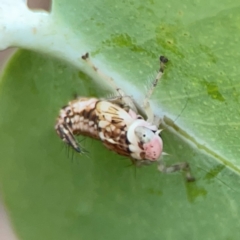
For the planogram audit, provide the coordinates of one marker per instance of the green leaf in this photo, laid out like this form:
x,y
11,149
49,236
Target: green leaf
x,y
51,193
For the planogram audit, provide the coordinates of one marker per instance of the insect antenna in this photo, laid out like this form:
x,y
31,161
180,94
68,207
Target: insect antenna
x,y
185,106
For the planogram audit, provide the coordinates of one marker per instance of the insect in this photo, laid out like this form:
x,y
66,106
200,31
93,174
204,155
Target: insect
x,y
117,124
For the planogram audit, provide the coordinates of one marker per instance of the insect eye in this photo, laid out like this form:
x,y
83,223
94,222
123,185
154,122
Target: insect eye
x,y
144,134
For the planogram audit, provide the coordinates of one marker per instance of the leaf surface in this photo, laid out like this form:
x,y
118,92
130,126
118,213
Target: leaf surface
x,y
97,196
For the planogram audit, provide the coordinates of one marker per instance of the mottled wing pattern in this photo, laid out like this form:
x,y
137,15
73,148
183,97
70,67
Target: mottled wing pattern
x,y
98,119
113,122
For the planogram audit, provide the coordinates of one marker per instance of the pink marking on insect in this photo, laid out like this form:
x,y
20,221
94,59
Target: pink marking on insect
x,y
153,148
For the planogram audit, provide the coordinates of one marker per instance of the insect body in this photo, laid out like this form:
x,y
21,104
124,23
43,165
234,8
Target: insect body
x,y
120,130
119,127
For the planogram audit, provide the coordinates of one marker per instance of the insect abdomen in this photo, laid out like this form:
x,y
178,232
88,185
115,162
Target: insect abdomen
x,y
78,117
124,132
97,119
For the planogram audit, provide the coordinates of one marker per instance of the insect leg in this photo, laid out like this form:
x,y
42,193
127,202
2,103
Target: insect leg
x,y
146,104
183,166
110,81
